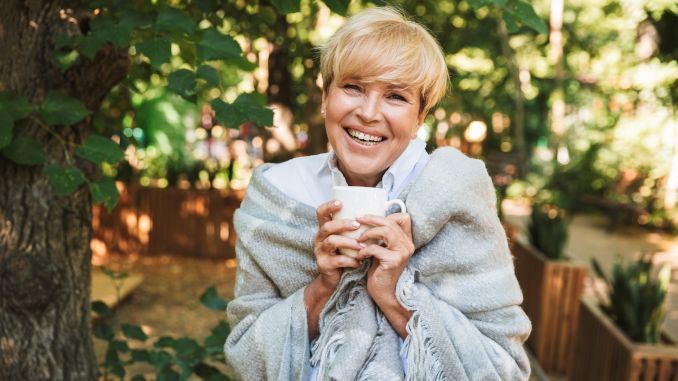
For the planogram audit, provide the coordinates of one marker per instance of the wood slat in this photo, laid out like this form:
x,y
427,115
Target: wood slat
x,y
153,221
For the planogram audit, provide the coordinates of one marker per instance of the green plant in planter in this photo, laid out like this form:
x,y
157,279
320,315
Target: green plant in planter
x,y
637,297
548,224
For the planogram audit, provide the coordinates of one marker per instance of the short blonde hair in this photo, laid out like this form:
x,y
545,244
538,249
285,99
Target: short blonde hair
x,y
381,44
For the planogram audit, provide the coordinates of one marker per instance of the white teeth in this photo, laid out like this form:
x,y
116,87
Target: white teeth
x,y
365,137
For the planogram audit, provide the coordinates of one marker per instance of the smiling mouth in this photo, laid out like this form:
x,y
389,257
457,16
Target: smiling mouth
x,y
363,138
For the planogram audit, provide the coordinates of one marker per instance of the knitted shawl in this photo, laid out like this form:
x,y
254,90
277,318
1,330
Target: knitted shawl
x,y
459,283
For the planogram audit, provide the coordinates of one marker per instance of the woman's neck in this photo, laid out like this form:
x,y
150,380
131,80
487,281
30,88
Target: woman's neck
x,y
360,180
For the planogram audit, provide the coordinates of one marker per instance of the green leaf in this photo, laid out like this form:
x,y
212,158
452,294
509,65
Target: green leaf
x,y
287,6
160,359
477,4
132,19
214,343
245,108
106,29
89,45
165,342
337,6
158,50
242,63
104,332
59,108
211,299
209,74
6,127
65,59
526,14
511,22
105,192
215,46
182,82
101,309
172,19
138,377
207,5
140,355
119,346
16,106
189,350
99,149
65,180
134,332
24,151
167,374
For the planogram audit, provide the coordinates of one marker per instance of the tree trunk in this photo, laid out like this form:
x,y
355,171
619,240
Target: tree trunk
x,y
45,325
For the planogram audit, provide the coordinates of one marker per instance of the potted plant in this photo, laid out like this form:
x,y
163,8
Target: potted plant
x,y
552,283
622,339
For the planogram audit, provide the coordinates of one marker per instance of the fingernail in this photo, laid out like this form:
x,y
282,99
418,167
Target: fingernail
x,y
355,224
362,245
337,203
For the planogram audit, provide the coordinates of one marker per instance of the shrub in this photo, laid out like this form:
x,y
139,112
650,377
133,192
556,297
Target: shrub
x,y
636,297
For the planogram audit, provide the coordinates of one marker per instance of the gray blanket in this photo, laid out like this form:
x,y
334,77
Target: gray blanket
x,y
460,285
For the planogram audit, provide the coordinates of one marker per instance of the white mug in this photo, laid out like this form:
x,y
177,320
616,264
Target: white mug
x,y
359,201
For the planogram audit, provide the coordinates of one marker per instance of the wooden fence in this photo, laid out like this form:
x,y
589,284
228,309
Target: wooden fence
x,y
155,221
603,353
551,292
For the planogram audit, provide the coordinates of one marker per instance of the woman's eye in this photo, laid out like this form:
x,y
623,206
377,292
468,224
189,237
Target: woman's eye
x,y
350,86
397,97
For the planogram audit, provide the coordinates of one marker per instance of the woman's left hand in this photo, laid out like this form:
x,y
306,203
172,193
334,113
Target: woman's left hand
x,y
390,259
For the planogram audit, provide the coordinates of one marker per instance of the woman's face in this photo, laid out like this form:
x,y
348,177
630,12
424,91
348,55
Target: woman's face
x,y
369,125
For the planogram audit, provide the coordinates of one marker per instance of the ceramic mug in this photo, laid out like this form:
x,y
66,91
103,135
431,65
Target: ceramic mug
x,y
359,201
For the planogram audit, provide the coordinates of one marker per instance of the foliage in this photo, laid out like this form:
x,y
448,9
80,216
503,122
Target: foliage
x,y
548,225
637,298
172,358
196,50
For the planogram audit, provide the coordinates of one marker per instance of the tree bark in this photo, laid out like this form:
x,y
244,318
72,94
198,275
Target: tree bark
x,y
45,325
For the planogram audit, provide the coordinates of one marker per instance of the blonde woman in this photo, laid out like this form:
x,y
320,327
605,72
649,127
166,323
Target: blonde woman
x,y
438,299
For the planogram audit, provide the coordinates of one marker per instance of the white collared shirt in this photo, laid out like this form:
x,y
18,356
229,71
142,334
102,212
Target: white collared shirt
x,y
310,179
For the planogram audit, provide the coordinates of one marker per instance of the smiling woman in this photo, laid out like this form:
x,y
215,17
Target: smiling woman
x,y
431,294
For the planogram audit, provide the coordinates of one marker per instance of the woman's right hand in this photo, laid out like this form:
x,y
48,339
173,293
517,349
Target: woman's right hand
x,y
327,242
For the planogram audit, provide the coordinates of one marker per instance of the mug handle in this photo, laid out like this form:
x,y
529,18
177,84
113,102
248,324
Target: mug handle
x,y
400,203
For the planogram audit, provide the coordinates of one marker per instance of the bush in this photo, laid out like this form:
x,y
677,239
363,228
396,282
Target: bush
x,y
548,224
173,359
636,297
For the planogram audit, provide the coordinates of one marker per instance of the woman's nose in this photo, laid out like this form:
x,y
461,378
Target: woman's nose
x,y
370,108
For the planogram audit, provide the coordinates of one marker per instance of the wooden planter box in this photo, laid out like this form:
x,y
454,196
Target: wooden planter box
x,y
604,353
551,292
159,221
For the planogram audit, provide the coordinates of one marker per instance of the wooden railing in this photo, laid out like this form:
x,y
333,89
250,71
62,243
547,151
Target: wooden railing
x,y
155,221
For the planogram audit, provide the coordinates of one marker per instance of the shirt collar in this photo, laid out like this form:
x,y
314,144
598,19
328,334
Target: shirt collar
x,y
393,177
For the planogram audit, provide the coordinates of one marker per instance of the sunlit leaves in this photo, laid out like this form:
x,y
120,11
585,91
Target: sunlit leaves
x,y
209,74
526,14
99,149
24,151
214,46
6,125
58,108
158,50
182,82
337,6
245,108
104,192
65,180
287,6
175,20
65,59
14,105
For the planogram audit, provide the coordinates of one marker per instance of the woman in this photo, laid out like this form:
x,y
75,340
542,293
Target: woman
x,y
438,299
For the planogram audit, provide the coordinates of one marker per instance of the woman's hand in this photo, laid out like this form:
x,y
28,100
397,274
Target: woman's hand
x,y
389,262
326,243
329,240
